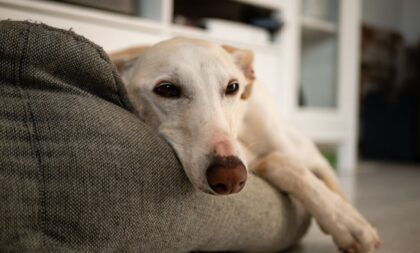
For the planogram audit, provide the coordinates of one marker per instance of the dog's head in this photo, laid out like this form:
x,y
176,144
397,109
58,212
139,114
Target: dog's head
x,y
192,92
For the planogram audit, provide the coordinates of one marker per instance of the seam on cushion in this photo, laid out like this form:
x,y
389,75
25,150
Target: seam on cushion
x,y
102,56
30,124
98,50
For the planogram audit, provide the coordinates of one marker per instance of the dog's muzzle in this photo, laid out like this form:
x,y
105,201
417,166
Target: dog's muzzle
x,y
226,175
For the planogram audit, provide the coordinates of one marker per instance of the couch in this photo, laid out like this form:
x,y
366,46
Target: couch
x,y
79,172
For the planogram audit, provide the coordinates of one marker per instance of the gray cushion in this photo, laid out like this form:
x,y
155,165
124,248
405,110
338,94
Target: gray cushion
x,y
80,173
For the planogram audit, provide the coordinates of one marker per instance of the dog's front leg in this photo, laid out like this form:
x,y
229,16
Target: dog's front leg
x,y
350,231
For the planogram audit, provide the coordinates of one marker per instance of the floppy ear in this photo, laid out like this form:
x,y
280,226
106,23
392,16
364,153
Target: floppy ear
x,y
126,58
244,59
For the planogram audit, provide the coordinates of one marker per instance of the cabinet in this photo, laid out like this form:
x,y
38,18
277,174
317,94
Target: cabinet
x,y
311,65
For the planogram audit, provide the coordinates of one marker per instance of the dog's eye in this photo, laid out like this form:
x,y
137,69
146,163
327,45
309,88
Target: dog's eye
x,y
232,88
167,90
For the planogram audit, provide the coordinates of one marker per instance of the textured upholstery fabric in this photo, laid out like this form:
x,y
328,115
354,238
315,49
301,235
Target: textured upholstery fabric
x,y
80,173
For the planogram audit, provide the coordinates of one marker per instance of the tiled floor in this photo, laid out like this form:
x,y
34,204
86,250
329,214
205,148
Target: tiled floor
x,y
389,196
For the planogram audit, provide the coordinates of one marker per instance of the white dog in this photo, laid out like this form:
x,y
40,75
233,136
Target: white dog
x,y
204,100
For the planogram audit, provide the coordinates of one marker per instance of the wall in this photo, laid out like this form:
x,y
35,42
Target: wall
x,y
410,20
383,13
397,15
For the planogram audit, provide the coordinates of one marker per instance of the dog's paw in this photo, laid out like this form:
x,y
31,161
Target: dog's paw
x,y
360,240
350,231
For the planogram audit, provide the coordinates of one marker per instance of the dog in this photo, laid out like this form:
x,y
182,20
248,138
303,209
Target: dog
x,y
205,101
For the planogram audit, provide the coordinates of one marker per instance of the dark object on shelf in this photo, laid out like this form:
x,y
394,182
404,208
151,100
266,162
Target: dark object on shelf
x,y
382,54
130,7
270,24
266,18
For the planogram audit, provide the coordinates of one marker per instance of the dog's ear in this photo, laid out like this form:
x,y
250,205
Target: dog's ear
x,y
244,59
126,58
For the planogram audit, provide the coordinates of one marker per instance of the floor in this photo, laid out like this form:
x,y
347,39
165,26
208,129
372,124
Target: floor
x,y
389,196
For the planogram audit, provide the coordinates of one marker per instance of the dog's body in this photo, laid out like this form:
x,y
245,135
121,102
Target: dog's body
x,y
198,96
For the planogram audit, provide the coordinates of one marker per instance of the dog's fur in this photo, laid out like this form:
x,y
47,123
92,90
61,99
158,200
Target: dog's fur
x,y
204,122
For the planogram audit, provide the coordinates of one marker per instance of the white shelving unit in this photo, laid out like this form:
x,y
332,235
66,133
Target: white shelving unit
x,y
326,70
278,64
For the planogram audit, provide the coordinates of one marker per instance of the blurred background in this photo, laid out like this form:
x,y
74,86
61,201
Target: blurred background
x,y
345,72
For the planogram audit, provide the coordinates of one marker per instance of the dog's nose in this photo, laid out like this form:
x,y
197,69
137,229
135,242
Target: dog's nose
x,y
226,175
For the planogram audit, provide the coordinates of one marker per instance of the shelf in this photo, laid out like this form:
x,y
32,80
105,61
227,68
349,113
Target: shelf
x,y
315,28
180,30
85,14
325,126
123,22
